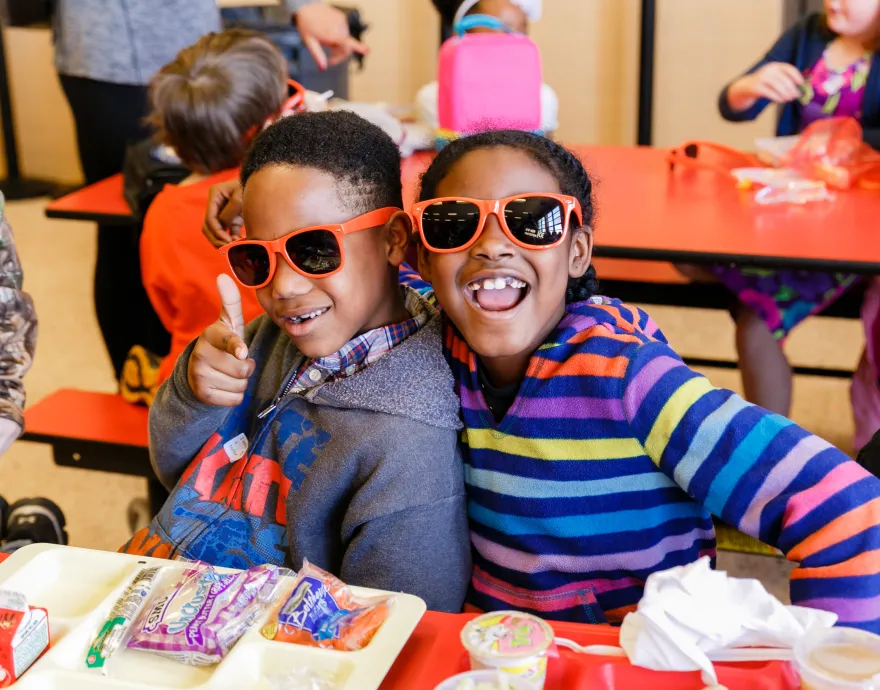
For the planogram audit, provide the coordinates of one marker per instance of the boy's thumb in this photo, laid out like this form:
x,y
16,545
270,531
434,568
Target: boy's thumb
x,y
230,301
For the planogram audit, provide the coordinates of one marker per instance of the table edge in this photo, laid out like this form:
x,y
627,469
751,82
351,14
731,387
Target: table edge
x,y
758,260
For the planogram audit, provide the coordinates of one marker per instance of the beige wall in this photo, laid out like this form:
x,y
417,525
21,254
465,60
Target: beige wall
x,y
702,45
590,51
44,125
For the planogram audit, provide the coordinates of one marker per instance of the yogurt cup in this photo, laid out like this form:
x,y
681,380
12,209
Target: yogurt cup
x,y
838,659
495,679
509,641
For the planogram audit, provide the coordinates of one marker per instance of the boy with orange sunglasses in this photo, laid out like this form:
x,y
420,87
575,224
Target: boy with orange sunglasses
x,y
325,429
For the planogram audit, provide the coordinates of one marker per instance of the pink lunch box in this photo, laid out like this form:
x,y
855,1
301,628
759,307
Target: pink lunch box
x,y
489,81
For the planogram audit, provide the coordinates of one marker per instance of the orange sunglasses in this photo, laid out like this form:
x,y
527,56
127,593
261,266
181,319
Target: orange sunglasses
x,y
531,221
314,252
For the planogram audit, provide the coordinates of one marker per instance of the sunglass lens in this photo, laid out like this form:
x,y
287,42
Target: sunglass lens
x,y
536,220
450,224
315,252
250,263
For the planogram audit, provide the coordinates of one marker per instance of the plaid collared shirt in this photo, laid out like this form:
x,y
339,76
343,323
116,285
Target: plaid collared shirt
x,y
363,350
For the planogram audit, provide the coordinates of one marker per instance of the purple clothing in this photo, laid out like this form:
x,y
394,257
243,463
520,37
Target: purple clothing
x,y
834,93
784,298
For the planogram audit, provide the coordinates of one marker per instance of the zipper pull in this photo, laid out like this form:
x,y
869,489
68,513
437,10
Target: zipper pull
x,y
268,410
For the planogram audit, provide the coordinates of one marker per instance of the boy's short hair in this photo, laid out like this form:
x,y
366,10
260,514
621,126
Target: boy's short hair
x,y
363,159
216,93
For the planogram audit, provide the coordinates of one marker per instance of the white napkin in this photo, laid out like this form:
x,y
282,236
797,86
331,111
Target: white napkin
x,y
691,611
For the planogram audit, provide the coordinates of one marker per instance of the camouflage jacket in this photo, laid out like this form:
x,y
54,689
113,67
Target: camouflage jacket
x,y
18,326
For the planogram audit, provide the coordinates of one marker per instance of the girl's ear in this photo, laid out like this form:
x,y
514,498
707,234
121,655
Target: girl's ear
x,y
580,252
398,230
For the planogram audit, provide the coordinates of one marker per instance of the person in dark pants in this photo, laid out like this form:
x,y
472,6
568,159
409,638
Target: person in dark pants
x,y
107,117
106,51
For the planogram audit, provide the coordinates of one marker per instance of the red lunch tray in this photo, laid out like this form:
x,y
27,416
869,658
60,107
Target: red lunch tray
x,y
434,653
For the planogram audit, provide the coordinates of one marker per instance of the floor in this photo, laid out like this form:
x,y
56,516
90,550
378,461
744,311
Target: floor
x,y
58,258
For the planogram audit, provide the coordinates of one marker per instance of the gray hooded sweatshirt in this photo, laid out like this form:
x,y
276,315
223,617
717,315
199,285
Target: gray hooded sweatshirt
x,y
361,476
128,41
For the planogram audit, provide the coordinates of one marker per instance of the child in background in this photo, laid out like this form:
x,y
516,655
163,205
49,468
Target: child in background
x,y
516,14
327,429
593,455
206,105
824,66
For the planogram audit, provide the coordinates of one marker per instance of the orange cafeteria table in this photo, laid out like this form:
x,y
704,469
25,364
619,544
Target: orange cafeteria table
x,y
100,202
647,212
95,431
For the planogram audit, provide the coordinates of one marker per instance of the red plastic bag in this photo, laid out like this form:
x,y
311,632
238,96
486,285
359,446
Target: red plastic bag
x,y
832,150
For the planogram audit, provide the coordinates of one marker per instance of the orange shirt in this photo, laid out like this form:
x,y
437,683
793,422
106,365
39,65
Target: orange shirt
x,y
179,266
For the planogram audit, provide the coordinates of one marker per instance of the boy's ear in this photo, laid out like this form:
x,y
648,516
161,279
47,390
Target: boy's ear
x,y
581,252
397,231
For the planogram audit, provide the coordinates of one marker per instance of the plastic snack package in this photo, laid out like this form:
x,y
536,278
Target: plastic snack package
x,y
300,679
833,151
322,611
114,630
200,618
795,192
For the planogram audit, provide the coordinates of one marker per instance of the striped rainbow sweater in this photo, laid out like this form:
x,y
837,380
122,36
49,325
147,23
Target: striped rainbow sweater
x,y
611,460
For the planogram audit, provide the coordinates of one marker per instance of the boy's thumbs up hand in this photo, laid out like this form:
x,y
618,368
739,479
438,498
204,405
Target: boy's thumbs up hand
x,y
219,367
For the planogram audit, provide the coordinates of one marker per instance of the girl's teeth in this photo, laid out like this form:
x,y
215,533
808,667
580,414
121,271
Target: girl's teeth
x,y
496,284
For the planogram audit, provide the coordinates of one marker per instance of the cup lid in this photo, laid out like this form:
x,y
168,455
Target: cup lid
x,y
507,635
842,657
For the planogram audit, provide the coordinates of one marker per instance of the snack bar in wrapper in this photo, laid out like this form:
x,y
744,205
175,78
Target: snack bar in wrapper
x,y
322,611
201,617
117,624
24,635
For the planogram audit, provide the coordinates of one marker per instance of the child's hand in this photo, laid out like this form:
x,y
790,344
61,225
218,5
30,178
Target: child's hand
x,y
219,367
223,220
779,82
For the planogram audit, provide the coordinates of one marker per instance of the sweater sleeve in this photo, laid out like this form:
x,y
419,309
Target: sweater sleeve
x,y
179,424
784,50
18,327
764,475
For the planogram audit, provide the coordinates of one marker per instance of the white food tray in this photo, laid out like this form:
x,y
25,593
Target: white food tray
x,y
78,587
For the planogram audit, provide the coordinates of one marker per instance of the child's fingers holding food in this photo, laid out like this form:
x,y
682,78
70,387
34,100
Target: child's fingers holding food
x,y
779,82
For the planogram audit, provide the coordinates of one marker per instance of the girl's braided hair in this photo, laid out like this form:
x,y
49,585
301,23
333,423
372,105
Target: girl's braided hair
x,y
555,158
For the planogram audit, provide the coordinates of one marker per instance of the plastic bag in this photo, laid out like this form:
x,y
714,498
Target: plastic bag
x,y
832,151
116,628
323,612
200,618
